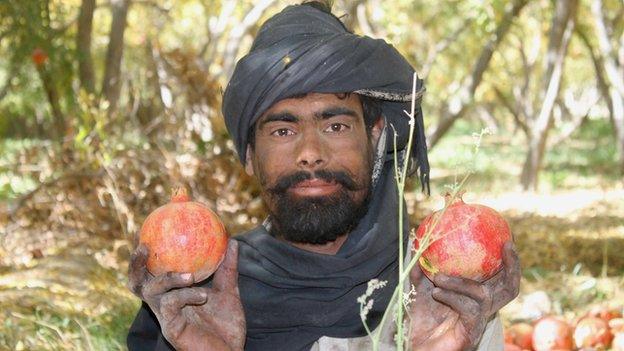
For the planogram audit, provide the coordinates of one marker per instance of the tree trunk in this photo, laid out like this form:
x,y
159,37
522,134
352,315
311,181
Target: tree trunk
x,y
564,17
83,45
465,97
618,124
112,70
239,31
54,100
613,100
612,64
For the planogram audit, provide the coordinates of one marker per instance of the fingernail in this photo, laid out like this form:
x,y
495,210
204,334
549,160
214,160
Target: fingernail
x,y
185,276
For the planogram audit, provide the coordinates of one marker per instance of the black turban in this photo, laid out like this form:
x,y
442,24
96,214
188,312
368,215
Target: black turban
x,y
304,50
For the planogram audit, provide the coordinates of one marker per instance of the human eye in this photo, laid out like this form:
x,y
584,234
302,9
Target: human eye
x,y
282,132
337,128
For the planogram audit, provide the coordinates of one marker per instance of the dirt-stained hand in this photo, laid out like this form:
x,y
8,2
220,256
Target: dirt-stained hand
x,y
451,313
193,318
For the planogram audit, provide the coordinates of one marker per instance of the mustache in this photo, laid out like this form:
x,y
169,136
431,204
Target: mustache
x,y
340,177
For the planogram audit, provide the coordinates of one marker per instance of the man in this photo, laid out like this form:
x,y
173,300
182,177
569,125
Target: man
x,y
313,110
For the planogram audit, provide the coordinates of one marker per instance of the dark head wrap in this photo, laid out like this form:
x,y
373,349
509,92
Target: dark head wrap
x,y
303,50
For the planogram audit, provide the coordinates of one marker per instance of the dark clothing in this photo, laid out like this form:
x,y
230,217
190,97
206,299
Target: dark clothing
x,y
292,297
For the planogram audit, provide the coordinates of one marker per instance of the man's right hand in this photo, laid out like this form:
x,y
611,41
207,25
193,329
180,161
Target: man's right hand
x,y
193,318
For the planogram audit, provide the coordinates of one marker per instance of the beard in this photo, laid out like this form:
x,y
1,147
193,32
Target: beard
x,y
316,219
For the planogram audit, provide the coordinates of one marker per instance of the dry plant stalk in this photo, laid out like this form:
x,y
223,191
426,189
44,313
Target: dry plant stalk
x,y
400,300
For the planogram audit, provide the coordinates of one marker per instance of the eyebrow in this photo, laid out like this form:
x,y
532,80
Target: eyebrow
x,y
325,114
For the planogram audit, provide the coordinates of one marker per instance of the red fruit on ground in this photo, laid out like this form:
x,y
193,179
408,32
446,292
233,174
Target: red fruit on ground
x,y
467,241
592,332
512,347
39,56
552,333
184,237
618,342
617,328
520,334
605,312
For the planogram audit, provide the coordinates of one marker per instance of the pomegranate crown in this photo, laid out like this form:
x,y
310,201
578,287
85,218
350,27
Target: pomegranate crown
x,y
449,199
179,194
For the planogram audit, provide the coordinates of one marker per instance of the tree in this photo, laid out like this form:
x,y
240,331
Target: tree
x,y
83,45
609,66
464,98
562,27
111,84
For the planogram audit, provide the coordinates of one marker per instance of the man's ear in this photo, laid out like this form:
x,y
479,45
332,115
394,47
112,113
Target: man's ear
x,y
376,130
248,163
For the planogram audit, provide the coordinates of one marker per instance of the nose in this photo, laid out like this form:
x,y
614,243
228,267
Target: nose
x,y
311,152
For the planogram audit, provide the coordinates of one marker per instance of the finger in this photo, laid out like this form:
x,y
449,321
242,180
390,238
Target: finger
x,y
416,274
418,279
471,316
511,262
226,276
471,288
137,270
165,282
171,303
507,284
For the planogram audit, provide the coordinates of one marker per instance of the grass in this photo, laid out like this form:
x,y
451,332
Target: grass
x,y
587,159
65,302
12,182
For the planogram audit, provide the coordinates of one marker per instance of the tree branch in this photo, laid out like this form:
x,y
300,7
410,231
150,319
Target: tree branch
x,y
233,43
614,73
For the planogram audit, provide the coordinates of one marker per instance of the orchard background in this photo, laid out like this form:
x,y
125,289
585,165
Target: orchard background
x,y
107,104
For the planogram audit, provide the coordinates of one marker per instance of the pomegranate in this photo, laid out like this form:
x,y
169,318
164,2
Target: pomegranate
x,y
592,332
552,333
511,347
39,56
467,241
520,334
617,328
605,312
184,237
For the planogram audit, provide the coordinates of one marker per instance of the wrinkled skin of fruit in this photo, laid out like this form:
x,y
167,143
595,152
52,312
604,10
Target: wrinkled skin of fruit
x,y
184,237
467,241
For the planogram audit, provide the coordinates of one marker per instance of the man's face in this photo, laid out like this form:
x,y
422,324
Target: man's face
x,y
313,158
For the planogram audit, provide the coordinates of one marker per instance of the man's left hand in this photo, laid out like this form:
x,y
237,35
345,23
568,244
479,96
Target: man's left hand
x,y
451,313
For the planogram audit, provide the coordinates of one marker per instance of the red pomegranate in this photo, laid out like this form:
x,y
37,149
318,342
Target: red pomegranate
x,y
511,347
592,332
185,237
552,333
520,334
617,328
467,241
39,56
605,312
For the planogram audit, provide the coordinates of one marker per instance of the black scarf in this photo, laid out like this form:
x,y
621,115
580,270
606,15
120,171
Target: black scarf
x,y
292,297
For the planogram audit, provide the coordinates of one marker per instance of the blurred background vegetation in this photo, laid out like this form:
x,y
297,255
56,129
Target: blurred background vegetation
x,y
107,104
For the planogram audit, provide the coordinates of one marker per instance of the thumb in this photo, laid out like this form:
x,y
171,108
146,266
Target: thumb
x,y
226,276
